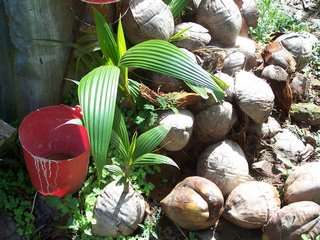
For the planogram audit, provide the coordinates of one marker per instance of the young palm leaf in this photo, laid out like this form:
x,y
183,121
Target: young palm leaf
x,y
106,39
177,6
165,58
120,128
97,94
154,159
122,48
148,141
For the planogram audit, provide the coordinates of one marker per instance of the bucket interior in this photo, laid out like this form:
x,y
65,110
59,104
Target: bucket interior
x,y
49,133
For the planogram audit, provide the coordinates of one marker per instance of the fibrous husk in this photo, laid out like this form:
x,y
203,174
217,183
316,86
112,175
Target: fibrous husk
x,y
268,129
288,147
230,91
166,84
181,126
254,96
248,48
195,35
215,122
234,61
300,87
225,164
251,204
250,12
195,203
293,220
117,211
303,184
300,45
211,57
275,73
148,19
274,53
222,18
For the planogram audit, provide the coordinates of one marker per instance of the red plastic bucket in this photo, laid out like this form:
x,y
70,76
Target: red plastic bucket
x,y
56,149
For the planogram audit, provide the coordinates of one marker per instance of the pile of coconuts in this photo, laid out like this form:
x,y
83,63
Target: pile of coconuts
x,y
245,166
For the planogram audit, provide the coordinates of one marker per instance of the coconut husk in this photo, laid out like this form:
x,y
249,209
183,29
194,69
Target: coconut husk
x,y
291,221
222,18
212,58
195,36
181,127
215,122
195,203
248,48
118,211
303,184
178,99
274,53
225,164
148,19
283,96
251,204
254,96
234,61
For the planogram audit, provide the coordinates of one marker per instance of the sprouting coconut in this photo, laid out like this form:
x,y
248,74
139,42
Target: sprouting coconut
x,y
181,126
230,91
254,96
251,204
120,209
303,184
224,164
293,220
215,122
222,18
148,19
195,203
194,36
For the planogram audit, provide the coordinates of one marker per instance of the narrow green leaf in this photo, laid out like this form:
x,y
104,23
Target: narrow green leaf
x,y
97,94
154,159
203,92
133,144
121,149
165,58
134,88
121,39
177,6
106,39
114,169
148,141
120,128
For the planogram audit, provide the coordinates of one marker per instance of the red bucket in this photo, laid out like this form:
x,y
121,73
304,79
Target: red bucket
x,y
56,149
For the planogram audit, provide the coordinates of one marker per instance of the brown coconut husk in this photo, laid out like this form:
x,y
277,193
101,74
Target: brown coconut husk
x,y
195,203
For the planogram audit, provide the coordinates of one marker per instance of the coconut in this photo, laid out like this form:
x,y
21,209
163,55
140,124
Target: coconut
x,y
250,12
269,128
222,18
303,184
254,96
291,221
225,164
215,122
118,211
251,204
195,203
248,48
148,19
230,91
195,35
300,45
181,126
166,84
234,61
275,73
288,146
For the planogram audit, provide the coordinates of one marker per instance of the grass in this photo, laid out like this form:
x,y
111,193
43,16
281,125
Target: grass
x,y
273,19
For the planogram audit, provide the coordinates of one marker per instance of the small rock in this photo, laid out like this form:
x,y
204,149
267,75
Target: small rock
x,y
195,36
195,203
117,212
275,73
308,113
254,96
303,184
181,126
215,122
224,164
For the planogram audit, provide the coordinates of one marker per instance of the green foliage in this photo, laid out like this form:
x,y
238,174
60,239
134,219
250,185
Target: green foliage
x,y
315,61
16,198
306,237
177,6
272,19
